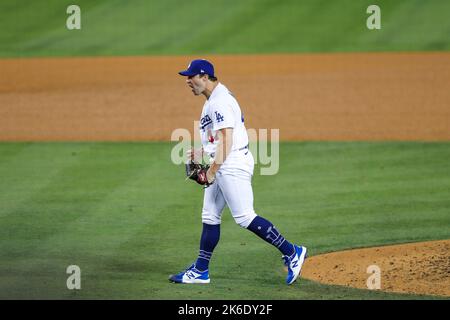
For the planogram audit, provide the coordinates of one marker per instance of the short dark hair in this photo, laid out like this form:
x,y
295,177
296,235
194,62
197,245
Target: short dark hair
x,y
213,79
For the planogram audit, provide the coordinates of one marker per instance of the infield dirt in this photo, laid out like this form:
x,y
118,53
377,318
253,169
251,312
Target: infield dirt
x,y
373,96
420,268
382,96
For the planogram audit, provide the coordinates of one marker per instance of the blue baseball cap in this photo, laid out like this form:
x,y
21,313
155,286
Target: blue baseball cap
x,y
199,66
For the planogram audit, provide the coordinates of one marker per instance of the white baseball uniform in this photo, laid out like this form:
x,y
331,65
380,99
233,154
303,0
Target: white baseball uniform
x,y
233,180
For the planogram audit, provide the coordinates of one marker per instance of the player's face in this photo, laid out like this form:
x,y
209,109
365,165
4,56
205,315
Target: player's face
x,y
197,84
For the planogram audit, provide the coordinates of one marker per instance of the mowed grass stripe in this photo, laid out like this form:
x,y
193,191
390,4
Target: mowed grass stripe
x,y
155,27
72,190
26,168
80,212
99,235
125,215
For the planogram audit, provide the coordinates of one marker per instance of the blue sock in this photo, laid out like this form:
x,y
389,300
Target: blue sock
x,y
208,241
267,231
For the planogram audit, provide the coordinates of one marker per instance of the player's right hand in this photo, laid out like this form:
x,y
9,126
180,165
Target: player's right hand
x,y
195,155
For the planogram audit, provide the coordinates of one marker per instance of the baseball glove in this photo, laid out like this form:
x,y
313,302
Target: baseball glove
x,y
197,172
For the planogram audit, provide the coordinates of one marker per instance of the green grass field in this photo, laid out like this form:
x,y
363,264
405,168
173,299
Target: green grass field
x,y
125,215
155,27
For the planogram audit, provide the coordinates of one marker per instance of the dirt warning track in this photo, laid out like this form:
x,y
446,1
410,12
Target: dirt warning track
x,y
383,96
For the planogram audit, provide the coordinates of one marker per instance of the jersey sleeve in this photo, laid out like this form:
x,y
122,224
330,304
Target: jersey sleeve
x,y
222,116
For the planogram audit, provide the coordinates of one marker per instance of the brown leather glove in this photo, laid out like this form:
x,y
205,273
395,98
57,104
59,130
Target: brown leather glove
x,y
197,172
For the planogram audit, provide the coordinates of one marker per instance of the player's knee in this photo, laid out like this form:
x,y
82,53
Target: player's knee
x,y
245,219
209,218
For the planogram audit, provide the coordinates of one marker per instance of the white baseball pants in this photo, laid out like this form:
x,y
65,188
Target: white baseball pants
x,y
232,187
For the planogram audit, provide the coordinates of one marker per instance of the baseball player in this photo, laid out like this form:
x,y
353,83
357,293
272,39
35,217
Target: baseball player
x,y
227,179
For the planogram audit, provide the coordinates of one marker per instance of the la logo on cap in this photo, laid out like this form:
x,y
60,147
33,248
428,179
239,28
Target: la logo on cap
x,y
202,71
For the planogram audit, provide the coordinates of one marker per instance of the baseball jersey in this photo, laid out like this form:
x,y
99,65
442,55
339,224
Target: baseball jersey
x,y
220,111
